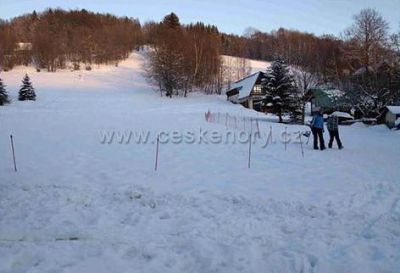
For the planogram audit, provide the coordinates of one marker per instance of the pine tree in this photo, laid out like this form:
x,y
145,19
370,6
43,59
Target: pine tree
x,y
279,88
3,94
27,92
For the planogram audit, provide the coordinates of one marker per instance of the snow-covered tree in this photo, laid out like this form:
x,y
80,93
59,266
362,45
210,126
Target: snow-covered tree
x,y
3,94
27,92
279,88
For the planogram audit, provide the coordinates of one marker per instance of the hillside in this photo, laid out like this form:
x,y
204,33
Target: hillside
x,y
78,205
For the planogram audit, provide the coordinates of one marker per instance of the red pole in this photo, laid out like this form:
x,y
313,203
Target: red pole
x,y
156,161
248,164
13,152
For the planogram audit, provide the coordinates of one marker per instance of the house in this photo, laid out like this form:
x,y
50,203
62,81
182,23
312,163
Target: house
x,y
248,91
23,47
390,115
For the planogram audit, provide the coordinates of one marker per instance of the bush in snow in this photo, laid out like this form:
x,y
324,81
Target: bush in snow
x,y
27,92
3,94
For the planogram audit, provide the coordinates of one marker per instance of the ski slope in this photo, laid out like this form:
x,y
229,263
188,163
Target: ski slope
x,y
77,205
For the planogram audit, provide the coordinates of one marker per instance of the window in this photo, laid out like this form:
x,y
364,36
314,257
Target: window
x,y
257,89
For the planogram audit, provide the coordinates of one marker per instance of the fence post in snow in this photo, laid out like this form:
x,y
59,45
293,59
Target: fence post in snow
x,y
301,144
13,152
157,148
248,164
285,138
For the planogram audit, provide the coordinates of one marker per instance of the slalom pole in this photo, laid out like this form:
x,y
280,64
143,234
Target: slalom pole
x,y
157,148
270,132
13,153
248,164
285,138
258,127
301,144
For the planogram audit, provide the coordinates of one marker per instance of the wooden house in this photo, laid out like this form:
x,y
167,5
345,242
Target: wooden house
x,y
248,91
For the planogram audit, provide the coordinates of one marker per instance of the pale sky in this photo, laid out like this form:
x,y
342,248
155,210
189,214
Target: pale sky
x,y
231,16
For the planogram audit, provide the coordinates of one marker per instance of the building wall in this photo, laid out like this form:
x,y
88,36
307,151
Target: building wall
x,y
390,119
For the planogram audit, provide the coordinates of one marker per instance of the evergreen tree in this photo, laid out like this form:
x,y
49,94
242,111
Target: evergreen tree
x,y
27,92
172,21
3,94
279,88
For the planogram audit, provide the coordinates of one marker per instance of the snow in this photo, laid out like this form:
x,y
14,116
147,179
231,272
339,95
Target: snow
x,y
254,65
334,93
76,205
342,115
394,109
397,122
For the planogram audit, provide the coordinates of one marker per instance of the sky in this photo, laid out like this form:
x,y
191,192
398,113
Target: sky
x,y
230,16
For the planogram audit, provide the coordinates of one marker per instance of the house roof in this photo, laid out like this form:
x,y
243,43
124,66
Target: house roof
x,y
342,115
23,46
245,85
394,109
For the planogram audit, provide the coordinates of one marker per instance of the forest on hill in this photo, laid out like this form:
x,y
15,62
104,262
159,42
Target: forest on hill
x,y
365,61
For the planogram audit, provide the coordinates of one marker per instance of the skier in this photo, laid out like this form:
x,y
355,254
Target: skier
x,y
317,129
333,128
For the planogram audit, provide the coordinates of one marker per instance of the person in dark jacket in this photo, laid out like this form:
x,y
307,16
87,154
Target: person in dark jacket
x,y
333,128
317,129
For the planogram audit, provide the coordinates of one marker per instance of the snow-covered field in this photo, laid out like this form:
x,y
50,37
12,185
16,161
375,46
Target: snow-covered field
x,y
77,205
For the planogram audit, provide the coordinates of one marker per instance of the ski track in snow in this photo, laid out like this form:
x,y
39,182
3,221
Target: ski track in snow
x,y
79,206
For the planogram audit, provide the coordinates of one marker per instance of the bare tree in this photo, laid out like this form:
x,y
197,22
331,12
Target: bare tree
x,y
369,34
303,81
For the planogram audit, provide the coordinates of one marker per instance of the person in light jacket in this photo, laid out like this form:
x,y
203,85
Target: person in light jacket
x,y
333,128
317,129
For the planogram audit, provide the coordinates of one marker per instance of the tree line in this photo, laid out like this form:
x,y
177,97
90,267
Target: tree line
x,y
364,62
183,57
56,38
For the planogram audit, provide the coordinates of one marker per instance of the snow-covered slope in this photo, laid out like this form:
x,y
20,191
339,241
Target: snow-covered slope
x,y
77,205
253,65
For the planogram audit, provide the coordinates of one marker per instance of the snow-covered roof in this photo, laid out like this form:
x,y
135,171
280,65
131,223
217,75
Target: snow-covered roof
x,y
245,85
394,109
342,115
